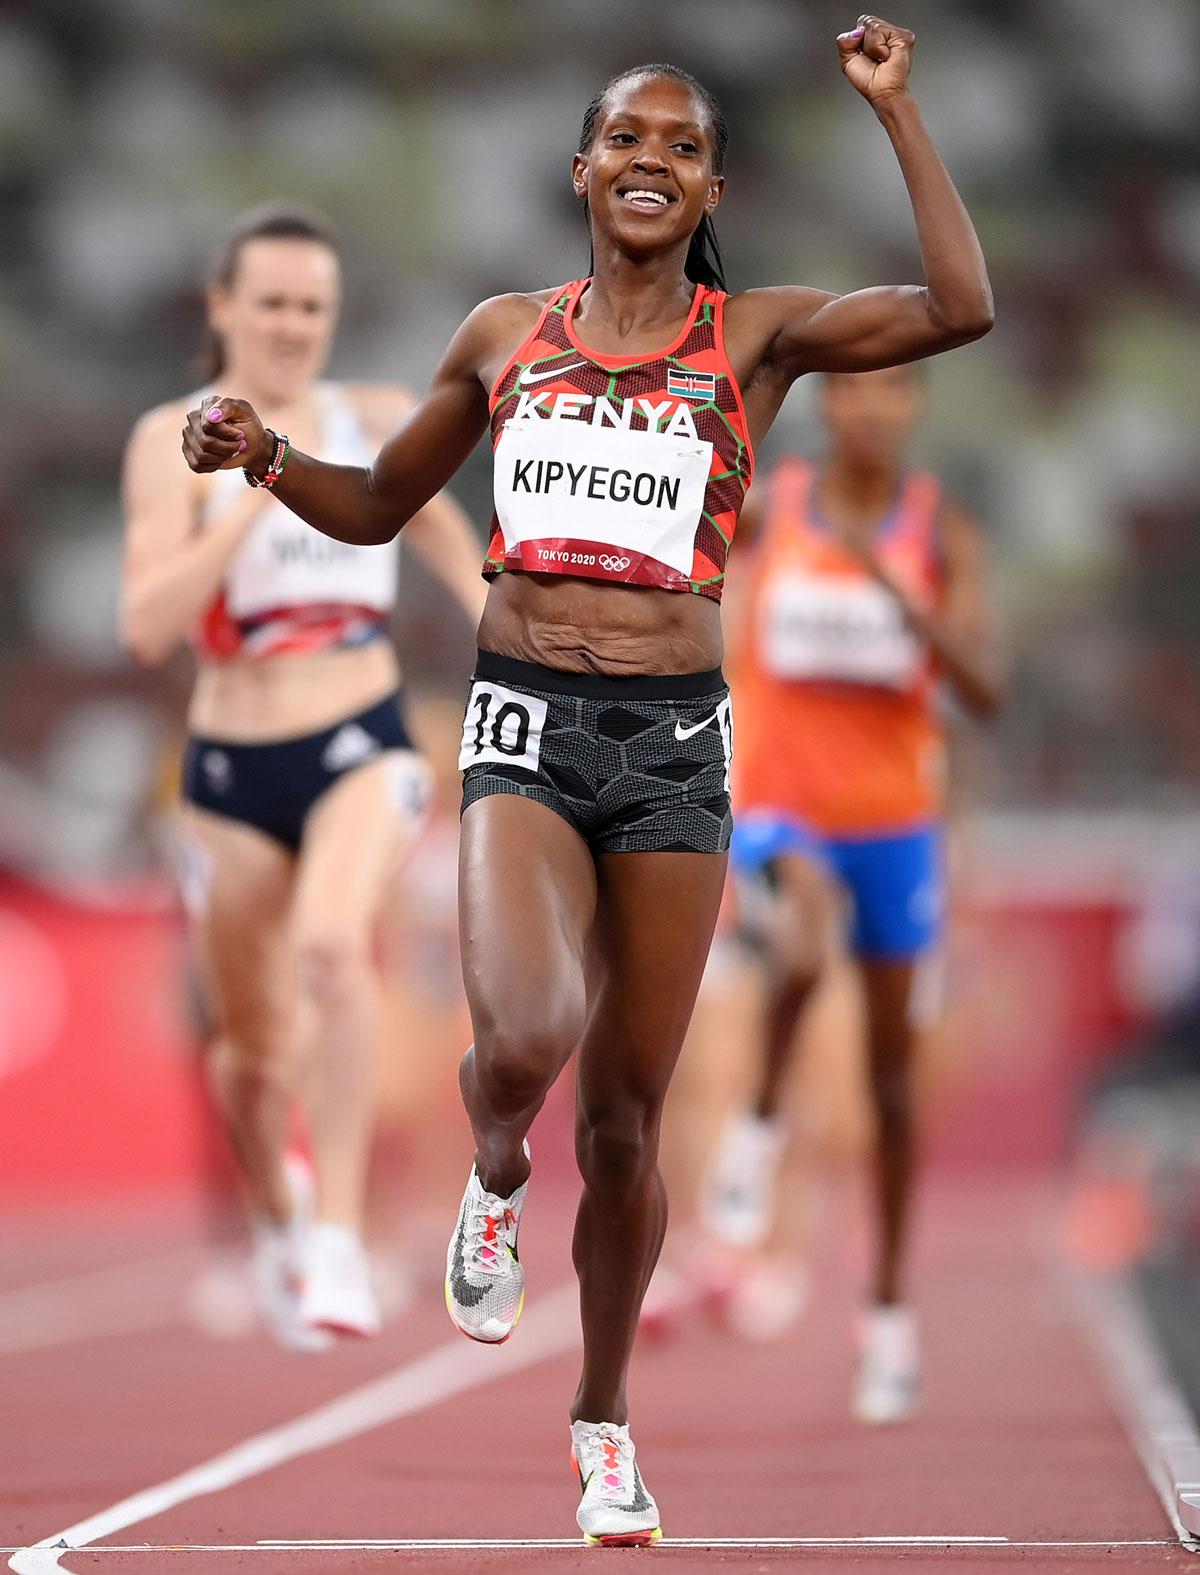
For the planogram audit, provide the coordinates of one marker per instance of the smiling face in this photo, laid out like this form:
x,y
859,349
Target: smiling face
x,y
277,315
649,173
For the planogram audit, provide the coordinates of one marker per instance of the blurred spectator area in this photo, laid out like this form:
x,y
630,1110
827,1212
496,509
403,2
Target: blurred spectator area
x,y
438,135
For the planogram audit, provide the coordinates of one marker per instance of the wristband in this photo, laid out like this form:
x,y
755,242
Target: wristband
x,y
280,449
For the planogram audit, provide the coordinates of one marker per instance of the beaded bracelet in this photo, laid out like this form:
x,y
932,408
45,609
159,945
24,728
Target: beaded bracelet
x,y
280,450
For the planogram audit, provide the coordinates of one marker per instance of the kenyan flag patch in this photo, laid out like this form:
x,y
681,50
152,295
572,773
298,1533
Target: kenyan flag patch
x,y
691,385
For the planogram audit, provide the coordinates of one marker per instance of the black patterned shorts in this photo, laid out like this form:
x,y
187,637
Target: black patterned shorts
x,y
636,765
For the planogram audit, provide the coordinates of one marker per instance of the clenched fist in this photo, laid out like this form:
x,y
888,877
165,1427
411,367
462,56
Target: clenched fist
x,y
877,58
226,434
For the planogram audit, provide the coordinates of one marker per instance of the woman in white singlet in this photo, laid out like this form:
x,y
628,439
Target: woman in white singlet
x,y
301,784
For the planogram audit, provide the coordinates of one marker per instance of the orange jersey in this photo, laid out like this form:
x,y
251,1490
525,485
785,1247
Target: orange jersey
x,y
834,697
607,468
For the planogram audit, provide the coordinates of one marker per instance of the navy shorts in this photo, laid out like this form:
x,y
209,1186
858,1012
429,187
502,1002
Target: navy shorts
x,y
636,765
896,882
272,787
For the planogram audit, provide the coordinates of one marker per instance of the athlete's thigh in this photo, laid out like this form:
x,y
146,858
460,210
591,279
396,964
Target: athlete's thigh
x,y
806,912
238,884
526,902
888,985
354,837
654,927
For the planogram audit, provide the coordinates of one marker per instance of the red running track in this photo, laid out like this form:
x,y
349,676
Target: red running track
x,y
1016,1451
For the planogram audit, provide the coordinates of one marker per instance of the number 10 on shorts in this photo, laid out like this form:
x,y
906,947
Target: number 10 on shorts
x,y
501,726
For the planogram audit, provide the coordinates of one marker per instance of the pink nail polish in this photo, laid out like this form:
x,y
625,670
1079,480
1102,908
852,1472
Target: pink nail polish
x,y
241,445
858,32
215,414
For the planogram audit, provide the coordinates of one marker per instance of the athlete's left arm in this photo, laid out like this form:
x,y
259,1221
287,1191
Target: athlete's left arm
x,y
818,332
440,533
961,630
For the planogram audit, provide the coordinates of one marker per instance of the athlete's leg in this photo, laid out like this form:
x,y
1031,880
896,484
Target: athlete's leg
x,y
898,890
890,1043
238,889
353,838
796,921
654,925
801,933
527,898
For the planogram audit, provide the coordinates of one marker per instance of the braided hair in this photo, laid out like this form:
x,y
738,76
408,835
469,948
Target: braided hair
x,y
703,264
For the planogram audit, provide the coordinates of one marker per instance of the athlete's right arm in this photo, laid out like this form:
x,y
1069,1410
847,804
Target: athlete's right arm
x,y
171,570
369,506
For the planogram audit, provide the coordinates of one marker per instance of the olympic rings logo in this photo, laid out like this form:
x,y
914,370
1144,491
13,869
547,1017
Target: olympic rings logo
x,y
613,565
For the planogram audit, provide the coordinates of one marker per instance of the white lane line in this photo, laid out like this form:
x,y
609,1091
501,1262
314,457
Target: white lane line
x,y
124,1298
1147,1398
452,1543
573,1544
549,1329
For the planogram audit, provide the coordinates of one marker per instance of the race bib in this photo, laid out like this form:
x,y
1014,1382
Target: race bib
x,y
844,630
286,563
638,491
501,725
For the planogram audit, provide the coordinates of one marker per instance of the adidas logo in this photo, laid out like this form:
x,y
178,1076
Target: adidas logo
x,y
349,746
218,768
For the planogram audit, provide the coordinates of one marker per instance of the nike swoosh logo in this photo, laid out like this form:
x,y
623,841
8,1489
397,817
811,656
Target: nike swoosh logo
x,y
682,732
465,1294
641,1499
541,377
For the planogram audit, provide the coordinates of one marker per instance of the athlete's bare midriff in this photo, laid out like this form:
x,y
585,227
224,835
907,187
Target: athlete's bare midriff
x,y
585,626
260,701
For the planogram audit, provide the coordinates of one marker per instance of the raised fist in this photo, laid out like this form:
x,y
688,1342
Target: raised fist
x,y
877,58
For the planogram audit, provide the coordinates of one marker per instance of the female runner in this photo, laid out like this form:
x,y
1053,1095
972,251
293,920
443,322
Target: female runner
x,y
866,585
301,784
623,409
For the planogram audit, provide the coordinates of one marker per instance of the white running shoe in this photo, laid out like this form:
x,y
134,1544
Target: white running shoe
x,y
337,1293
615,1511
739,1197
485,1283
277,1265
889,1374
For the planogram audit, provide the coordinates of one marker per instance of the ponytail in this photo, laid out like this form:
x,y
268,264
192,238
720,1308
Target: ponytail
x,y
704,264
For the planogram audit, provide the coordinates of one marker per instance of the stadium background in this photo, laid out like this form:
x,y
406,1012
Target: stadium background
x,y
437,134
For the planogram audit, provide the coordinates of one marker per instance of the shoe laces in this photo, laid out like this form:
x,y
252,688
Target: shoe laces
x,y
486,1238
610,1454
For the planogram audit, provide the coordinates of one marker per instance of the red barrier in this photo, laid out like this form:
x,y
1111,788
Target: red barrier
x,y
100,1089
1036,1009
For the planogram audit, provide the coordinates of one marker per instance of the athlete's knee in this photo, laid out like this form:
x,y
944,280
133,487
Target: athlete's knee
x,y
516,1062
331,965
792,967
251,1059
616,1140
795,951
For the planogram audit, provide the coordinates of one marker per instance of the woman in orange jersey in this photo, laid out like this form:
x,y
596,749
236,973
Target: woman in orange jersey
x,y
866,588
623,410
301,784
